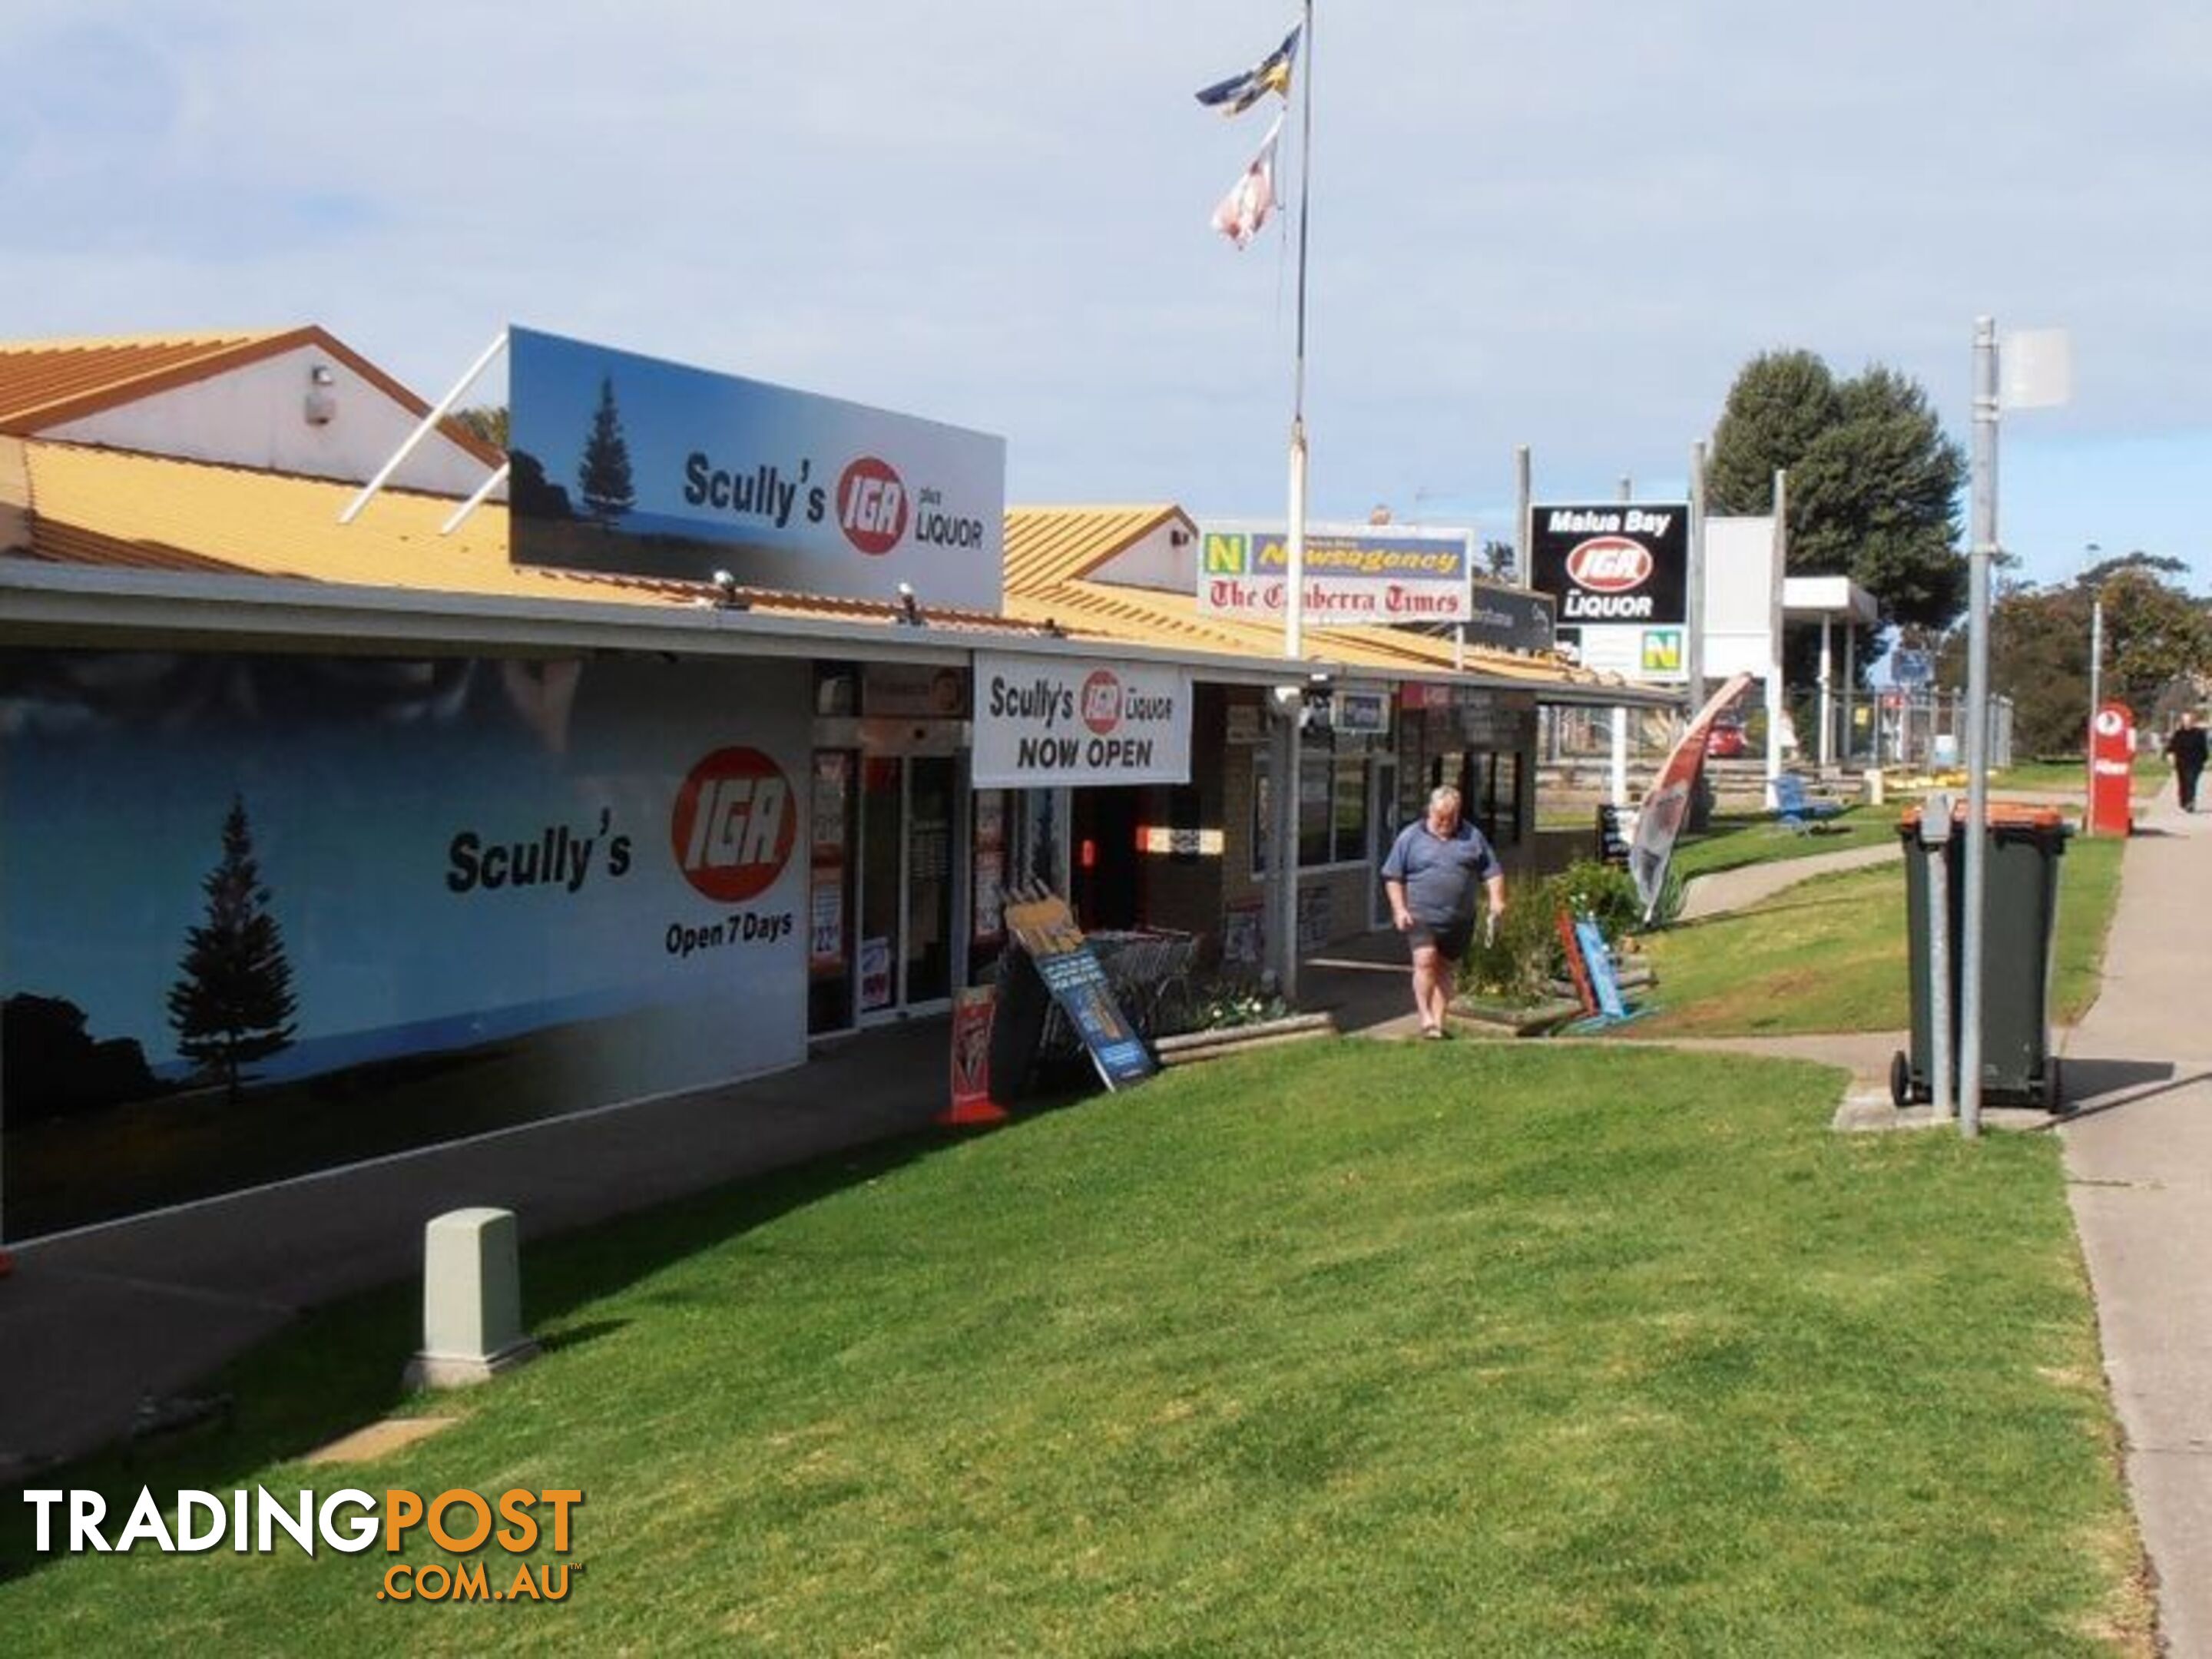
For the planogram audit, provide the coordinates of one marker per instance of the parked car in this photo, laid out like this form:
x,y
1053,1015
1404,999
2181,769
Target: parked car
x,y
1725,741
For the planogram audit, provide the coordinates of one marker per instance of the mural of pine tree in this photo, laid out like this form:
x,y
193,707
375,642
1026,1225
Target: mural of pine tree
x,y
604,473
235,1004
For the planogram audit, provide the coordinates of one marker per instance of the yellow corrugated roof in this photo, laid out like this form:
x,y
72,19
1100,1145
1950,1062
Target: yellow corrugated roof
x,y
44,383
91,506
1046,545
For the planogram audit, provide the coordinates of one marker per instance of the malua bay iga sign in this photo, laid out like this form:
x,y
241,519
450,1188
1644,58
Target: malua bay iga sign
x,y
1613,564
1050,720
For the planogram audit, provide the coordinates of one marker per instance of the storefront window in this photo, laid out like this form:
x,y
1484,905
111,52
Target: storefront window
x,y
1333,794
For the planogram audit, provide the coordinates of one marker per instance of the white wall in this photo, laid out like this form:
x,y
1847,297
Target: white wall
x,y
255,417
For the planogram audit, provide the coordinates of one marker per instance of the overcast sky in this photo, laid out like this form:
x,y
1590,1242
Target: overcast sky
x,y
1564,224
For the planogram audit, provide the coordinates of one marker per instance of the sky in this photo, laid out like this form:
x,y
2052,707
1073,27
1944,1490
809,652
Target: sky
x,y
1565,225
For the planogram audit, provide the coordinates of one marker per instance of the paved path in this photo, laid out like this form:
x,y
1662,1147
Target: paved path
x,y
1734,890
2138,1071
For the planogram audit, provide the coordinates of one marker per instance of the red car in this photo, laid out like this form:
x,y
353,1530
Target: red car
x,y
1725,741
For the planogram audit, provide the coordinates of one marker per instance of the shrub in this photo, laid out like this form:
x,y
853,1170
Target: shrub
x,y
1521,961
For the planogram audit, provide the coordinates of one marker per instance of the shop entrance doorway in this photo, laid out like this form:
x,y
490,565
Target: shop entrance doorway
x,y
905,877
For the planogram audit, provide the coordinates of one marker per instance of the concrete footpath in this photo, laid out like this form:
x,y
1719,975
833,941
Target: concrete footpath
x,y
2137,1073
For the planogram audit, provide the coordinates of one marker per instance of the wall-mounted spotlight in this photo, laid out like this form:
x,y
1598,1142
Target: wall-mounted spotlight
x,y
726,597
909,614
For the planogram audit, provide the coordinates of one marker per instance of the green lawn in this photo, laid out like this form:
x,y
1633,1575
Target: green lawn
x,y
1829,954
1343,1348
1735,839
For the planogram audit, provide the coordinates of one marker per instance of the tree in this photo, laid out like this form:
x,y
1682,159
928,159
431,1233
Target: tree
x,y
485,420
1874,483
2157,642
234,1004
603,474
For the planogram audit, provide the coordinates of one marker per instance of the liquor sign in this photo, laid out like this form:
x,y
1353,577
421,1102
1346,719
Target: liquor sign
x,y
1043,721
1620,574
1506,618
632,465
1354,574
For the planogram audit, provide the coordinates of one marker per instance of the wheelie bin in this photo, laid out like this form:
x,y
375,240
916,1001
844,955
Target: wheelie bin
x,y
2020,911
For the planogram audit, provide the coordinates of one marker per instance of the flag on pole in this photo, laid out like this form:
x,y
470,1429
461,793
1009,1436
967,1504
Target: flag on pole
x,y
1270,73
1246,208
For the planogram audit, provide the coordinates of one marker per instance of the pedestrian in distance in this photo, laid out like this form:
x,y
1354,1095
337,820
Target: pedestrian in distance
x,y
2185,749
1437,868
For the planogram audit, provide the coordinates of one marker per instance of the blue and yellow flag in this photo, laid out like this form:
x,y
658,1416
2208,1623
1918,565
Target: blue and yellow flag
x,y
1270,73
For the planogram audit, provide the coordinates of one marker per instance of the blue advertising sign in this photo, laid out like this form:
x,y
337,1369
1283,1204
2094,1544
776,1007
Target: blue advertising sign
x,y
1354,574
263,913
1070,970
634,466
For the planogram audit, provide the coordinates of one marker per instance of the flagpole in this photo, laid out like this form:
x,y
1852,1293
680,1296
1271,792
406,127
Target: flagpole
x,y
1295,599
1286,814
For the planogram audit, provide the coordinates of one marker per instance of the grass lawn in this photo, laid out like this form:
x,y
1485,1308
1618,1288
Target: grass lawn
x,y
1829,954
2072,776
1345,1348
1735,839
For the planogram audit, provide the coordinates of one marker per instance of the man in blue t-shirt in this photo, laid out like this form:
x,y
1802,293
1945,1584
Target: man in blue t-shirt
x,y
1431,874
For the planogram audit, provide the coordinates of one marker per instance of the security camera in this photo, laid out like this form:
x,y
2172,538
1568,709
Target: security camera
x,y
1287,699
725,589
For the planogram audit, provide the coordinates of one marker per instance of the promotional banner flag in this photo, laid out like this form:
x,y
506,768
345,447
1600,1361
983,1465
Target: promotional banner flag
x,y
1245,209
1270,73
1659,821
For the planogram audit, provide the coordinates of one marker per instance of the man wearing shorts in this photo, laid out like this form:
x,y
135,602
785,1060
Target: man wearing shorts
x,y
1432,875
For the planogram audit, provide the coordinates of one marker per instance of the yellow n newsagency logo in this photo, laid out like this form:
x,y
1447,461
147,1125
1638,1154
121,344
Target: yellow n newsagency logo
x,y
1227,553
1662,650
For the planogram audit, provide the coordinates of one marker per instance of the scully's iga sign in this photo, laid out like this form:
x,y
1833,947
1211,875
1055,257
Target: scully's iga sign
x,y
629,464
1613,563
1050,720
1353,573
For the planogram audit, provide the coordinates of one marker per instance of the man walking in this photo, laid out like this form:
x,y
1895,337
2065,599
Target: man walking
x,y
2185,749
1432,875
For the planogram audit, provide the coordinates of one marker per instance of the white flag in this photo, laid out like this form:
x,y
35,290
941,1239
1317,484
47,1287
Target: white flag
x,y
1246,208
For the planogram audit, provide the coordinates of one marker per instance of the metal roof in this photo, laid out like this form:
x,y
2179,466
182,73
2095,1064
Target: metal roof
x,y
45,383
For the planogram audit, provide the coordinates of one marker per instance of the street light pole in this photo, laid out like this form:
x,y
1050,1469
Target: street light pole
x,y
2096,646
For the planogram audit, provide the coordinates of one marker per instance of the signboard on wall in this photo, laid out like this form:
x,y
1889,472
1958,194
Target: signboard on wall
x,y
1620,573
1044,721
1354,573
592,875
633,464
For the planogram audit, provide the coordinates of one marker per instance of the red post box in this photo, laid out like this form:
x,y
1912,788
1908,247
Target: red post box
x,y
2112,770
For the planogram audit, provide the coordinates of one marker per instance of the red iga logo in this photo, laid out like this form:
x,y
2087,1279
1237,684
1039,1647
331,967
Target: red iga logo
x,y
1609,564
871,506
1101,702
734,822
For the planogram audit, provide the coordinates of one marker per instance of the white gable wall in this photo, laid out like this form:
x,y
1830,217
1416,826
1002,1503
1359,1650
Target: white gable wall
x,y
255,416
1158,561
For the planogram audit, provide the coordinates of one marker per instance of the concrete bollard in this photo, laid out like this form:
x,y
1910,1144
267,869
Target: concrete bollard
x,y
1874,786
471,1301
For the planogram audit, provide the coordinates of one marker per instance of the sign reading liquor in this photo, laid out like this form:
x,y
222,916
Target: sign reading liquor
x,y
631,465
1618,570
1041,721
1354,574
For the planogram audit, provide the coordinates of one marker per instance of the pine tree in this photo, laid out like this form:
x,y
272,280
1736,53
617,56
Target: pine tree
x,y
235,1004
603,476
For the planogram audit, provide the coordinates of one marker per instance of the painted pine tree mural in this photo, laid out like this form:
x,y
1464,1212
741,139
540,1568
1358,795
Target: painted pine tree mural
x,y
603,474
233,1004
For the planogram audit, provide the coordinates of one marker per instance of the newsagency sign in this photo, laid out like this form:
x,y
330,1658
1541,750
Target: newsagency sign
x,y
637,466
1041,721
1620,574
1354,574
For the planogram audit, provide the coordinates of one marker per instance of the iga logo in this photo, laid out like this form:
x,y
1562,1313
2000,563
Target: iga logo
x,y
734,822
871,506
1101,702
1609,564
